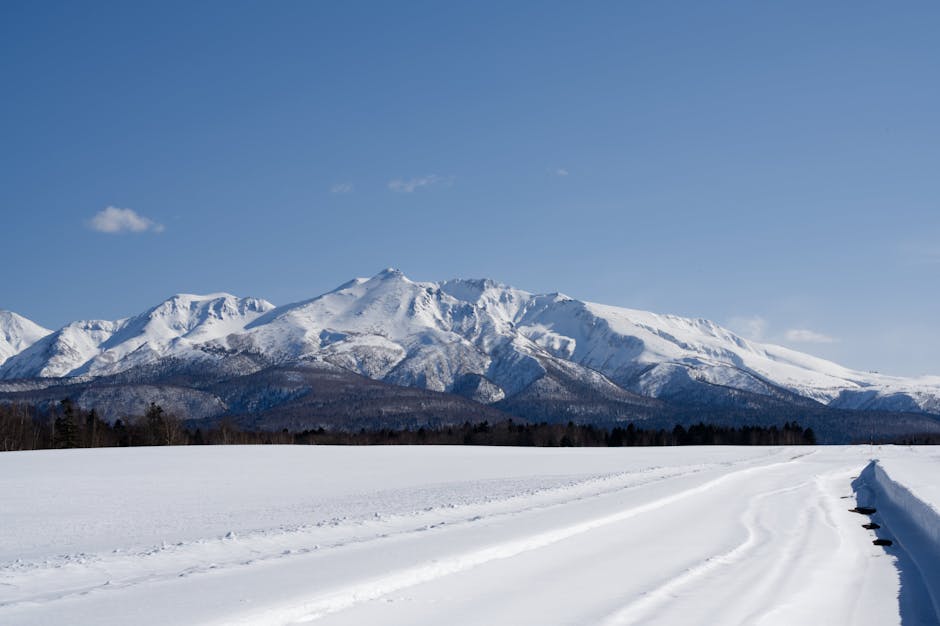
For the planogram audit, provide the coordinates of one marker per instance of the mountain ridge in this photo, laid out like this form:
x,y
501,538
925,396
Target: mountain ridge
x,y
476,338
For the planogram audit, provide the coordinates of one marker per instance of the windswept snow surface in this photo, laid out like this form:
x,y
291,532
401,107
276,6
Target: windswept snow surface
x,y
448,535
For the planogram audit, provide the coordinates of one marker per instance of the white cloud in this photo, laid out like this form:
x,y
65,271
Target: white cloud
x,y
756,328
561,172
412,184
750,327
803,335
114,220
342,188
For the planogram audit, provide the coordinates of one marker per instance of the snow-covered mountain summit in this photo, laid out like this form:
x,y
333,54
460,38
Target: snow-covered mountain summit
x,y
97,347
477,338
17,333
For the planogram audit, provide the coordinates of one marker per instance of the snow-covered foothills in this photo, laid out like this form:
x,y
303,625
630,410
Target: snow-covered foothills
x,y
433,535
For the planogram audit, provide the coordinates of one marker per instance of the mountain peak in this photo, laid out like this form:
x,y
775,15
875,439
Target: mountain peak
x,y
17,333
390,273
7,315
218,301
194,297
100,347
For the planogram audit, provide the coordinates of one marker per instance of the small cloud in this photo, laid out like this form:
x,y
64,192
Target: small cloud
x,y
750,327
560,172
409,186
342,188
803,335
114,220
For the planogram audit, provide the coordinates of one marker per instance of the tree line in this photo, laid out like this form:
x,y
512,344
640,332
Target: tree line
x,y
510,433
23,427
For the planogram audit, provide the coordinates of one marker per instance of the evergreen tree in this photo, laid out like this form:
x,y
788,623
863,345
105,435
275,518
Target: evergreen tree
x,y
154,421
65,428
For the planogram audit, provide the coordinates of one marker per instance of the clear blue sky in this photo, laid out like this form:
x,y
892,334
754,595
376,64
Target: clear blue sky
x,y
772,166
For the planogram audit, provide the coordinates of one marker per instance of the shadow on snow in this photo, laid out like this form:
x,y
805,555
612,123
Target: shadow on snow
x,y
916,558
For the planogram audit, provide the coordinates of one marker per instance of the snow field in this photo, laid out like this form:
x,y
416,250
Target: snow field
x,y
421,535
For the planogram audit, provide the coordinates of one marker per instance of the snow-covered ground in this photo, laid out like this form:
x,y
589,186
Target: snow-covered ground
x,y
453,535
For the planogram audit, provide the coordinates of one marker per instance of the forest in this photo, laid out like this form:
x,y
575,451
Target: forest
x,y
23,427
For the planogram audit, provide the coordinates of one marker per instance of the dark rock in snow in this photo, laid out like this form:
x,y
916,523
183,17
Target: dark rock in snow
x,y
864,510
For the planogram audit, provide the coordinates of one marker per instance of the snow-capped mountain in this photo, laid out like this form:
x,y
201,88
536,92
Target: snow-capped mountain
x,y
17,333
478,338
179,325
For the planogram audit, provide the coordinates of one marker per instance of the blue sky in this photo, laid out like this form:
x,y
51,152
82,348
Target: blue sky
x,y
772,166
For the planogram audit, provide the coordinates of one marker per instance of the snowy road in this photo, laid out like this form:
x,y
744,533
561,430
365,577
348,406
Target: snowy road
x,y
452,535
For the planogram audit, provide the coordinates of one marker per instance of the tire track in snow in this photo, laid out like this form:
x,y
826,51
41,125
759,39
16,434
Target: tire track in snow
x,y
804,555
376,588
757,536
823,550
796,557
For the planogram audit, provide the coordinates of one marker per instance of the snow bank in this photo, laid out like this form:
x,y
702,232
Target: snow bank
x,y
906,487
908,502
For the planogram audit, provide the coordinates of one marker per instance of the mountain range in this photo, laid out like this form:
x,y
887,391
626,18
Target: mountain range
x,y
387,350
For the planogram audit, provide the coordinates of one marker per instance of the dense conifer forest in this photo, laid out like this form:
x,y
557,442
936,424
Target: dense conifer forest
x,y
22,427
